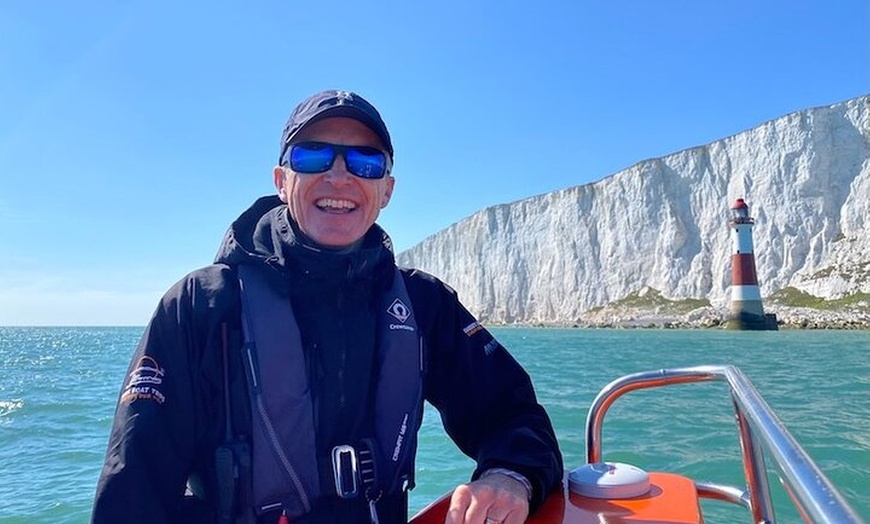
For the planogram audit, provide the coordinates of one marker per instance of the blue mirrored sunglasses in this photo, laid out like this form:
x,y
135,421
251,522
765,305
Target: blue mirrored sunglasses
x,y
318,157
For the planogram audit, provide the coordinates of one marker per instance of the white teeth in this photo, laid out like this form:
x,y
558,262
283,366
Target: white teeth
x,y
335,204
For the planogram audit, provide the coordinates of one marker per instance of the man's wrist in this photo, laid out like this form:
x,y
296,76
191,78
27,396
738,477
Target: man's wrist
x,y
514,475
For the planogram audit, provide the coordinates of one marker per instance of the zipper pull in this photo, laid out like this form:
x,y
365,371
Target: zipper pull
x,y
284,519
373,512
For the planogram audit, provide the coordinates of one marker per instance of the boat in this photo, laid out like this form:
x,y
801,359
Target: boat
x,y
601,492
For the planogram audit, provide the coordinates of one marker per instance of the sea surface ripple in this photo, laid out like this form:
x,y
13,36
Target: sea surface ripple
x,y
58,388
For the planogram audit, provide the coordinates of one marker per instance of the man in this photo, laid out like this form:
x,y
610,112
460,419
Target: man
x,y
285,382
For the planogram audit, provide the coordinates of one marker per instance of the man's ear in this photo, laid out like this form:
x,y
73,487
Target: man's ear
x,y
388,191
280,176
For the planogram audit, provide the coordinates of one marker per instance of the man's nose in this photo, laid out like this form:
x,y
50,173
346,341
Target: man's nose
x,y
338,173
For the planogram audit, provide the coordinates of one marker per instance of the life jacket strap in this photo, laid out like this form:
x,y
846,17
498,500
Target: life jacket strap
x,y
367,472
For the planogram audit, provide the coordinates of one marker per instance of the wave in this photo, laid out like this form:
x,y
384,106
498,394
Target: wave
x,y
7,407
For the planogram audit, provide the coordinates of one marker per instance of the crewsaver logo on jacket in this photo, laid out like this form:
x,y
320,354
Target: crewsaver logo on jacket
x,y
401,312
144,379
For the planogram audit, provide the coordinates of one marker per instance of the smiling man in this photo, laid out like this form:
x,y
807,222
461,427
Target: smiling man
x,y
287,379
335,205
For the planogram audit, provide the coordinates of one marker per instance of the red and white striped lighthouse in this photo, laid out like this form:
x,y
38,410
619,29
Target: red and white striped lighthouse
x,y
746,309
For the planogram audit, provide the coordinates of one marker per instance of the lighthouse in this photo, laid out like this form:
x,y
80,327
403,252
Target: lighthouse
x,y
746,309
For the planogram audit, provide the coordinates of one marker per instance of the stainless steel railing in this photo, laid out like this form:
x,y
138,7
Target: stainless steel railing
x,y
812,493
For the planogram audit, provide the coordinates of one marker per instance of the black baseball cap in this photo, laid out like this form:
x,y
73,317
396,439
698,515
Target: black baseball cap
x,y
331,103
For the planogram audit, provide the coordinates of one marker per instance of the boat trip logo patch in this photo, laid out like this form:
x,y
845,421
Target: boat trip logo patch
x,y
144,379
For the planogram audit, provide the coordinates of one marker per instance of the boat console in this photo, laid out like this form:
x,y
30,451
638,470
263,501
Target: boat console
x,y
608,492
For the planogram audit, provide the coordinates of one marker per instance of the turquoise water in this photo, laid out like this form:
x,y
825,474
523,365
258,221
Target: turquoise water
x,y
58,388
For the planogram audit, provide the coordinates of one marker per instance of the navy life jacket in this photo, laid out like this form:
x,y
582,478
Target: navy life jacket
x,y
284,456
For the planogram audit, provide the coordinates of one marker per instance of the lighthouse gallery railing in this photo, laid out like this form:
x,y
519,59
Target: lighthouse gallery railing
x,y
812,493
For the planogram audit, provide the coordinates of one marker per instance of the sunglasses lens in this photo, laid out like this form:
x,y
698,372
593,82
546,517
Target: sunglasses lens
x,y
318,157
366,162
311,157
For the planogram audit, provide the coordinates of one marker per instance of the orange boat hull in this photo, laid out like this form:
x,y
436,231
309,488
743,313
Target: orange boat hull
x,y
672,499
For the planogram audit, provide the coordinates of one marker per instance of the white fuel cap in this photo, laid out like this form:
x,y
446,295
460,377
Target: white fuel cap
x,y
609,480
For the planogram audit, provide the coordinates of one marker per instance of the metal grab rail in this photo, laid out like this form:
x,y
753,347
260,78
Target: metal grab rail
x,y
812,493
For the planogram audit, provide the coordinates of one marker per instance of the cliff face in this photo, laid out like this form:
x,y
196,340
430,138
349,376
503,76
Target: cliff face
x,y
663,224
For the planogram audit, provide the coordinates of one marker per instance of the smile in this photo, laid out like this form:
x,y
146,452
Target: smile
x,y
333,205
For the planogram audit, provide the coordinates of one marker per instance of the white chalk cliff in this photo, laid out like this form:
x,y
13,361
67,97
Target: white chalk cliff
x,y
663,224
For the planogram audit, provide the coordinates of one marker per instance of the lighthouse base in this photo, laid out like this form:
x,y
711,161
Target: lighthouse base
x,y
751,322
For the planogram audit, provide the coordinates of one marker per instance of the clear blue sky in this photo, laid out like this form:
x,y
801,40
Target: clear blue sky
x,y
133,132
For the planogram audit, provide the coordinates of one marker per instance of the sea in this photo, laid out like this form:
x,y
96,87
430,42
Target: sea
x,y
59,385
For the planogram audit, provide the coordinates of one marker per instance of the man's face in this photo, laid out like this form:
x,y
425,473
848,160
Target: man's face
x,y
334,208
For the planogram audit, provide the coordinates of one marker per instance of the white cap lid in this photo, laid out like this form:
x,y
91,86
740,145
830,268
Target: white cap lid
x,y
609,480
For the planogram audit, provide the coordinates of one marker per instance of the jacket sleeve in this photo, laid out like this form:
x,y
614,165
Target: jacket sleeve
x,y
486,399
159,416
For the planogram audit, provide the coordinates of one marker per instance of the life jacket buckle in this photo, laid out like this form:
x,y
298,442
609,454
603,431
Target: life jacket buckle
x,y
345,470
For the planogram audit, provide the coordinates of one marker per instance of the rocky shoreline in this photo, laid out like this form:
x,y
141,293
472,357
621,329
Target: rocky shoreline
x,y
715,318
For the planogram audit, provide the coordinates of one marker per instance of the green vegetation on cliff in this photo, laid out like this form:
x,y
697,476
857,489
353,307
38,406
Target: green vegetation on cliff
x,y
792,297
652,299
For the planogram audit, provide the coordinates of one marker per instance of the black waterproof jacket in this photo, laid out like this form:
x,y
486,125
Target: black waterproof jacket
x,y
171,413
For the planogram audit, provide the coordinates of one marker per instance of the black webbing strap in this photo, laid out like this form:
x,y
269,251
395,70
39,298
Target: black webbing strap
x,y
232,459
367,471
226,471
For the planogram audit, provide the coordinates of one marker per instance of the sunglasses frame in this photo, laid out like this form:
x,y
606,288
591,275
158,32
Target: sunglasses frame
x,y
337,149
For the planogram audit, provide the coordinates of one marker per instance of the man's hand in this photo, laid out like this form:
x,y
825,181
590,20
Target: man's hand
x,y
493,499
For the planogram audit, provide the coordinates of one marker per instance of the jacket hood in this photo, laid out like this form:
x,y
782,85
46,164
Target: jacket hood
x,y
265,234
